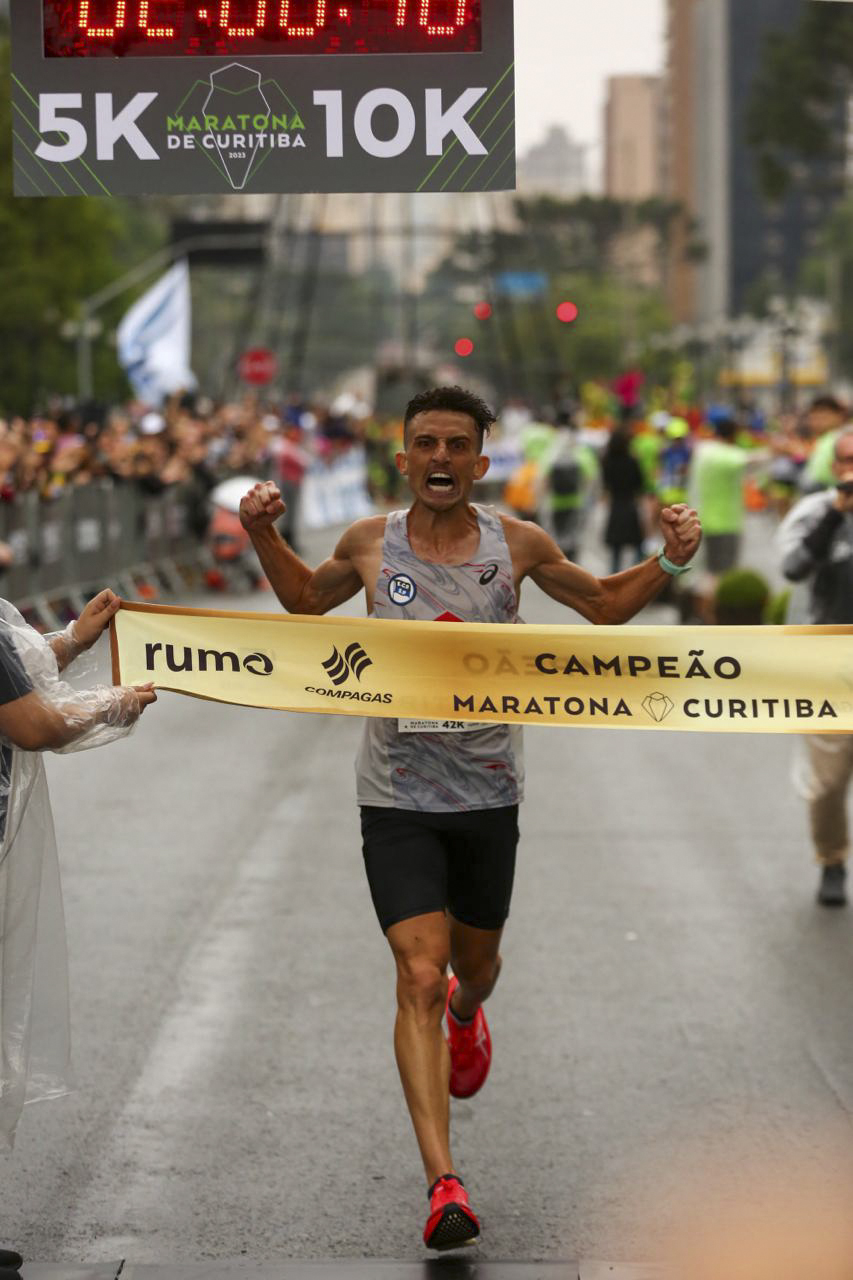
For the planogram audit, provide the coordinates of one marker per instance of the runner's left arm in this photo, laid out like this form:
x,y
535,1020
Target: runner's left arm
x,y
611,600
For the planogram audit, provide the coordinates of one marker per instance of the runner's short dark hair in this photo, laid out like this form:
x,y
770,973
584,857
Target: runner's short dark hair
x,y
452,400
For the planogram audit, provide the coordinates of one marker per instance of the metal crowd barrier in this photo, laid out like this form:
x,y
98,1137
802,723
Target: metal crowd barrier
x,y
90,536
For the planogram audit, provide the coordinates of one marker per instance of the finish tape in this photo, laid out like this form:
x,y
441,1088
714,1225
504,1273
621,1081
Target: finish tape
x,y
718,679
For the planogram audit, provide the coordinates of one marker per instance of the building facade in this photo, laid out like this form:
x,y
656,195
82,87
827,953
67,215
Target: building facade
x,y
555,166
753,247
632,137
633,167
678,159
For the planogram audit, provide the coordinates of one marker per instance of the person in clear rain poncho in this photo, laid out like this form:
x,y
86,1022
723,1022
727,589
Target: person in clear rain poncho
x,y
40,712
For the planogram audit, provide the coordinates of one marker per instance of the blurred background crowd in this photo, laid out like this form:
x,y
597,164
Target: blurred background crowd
x,y
191,440
595,471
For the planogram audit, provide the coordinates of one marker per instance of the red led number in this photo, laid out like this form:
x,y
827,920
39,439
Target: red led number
x,y
236,27
439,29
83,20
263,19
284,20
425,17
241,30
153,33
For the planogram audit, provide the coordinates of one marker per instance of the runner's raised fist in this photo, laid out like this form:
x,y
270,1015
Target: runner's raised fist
x,y
682,532
261,507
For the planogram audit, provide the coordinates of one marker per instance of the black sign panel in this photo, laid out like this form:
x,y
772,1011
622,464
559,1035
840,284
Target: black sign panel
x,y
131,97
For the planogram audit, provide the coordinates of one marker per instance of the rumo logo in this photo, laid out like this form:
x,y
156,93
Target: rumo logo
x,y
353,662
186,659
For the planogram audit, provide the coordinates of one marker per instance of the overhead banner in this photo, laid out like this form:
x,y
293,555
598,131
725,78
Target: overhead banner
x,y
145,97
445,677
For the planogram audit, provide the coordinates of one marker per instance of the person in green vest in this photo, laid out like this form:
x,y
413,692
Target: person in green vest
x,y
716,477
826,419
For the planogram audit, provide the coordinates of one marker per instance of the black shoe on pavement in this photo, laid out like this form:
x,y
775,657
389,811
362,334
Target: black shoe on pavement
x,y
9,1258
833,881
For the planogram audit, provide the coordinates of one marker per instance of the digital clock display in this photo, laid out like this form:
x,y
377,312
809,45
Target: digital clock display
x,y
213,28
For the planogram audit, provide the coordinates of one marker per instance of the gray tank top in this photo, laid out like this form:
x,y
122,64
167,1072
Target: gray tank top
x,y
436,771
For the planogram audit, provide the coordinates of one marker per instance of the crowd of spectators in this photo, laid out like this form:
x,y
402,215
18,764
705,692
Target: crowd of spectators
x,y
195,443
191,442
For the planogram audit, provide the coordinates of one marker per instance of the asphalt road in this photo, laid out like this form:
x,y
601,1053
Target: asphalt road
x,y
672,1003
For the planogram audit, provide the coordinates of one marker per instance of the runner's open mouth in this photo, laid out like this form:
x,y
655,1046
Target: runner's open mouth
x,y
440,482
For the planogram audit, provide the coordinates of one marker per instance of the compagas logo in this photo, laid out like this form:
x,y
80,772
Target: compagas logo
x,y
339,667
237,118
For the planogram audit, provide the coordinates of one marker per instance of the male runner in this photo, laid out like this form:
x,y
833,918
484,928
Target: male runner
x,y
439,810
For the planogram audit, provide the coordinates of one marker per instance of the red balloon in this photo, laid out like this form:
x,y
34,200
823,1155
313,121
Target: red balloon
x,y
567,312
464,347
483,311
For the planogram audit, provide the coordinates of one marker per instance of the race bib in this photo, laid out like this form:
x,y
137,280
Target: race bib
x,y
439,726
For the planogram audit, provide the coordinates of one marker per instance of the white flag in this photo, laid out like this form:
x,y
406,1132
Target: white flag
x,y
154,338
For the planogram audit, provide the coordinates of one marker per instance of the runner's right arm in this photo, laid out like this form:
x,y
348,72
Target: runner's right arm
x,y
299,589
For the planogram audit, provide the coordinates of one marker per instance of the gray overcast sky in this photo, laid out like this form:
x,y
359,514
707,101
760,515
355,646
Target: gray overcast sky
x,y
565,49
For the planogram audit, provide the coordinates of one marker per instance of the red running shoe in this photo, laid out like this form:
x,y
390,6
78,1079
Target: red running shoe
x,y
470,1050
452,1223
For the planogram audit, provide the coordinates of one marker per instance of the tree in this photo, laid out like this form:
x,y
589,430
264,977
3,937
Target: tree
x,y
828,273
574,246
801,90
56,253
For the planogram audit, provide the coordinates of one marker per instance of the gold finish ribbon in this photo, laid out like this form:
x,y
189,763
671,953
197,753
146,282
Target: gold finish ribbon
x,y
720,679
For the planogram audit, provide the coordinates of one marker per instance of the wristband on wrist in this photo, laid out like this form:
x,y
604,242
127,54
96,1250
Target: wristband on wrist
x,y
674,570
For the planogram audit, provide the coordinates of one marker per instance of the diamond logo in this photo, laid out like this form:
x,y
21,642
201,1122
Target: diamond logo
x,y
658,706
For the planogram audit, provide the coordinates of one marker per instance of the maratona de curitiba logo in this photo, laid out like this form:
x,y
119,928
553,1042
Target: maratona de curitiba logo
x,y
353,662
237,119
658,706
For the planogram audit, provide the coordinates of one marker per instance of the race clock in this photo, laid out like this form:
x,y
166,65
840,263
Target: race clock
x,y
205,96
194,28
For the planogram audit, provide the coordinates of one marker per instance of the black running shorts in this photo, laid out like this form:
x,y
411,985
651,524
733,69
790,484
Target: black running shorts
x,y
418,863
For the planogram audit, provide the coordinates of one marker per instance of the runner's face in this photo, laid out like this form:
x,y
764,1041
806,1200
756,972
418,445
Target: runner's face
x,y
442,458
